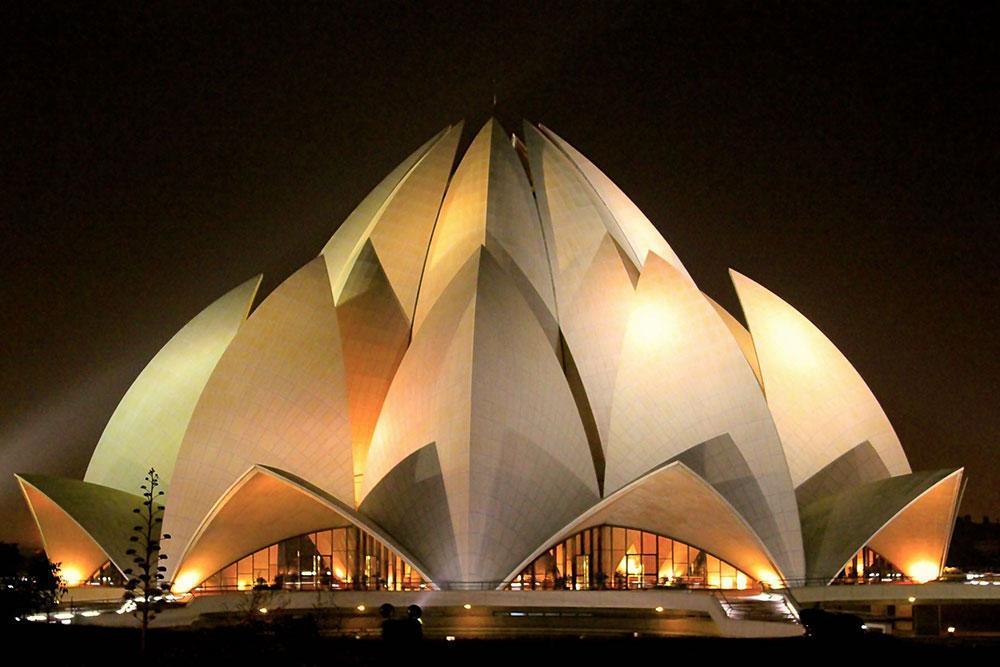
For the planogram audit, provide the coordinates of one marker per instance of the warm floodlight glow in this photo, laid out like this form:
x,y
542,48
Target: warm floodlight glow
x,y
923,571
185,582
361,607
769,578
951,629
658,609
71,576
263,610
911,599
467,606
794,339
652,320
631,563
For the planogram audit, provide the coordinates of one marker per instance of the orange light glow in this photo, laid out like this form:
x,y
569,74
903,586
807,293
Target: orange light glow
x,y
631,562
185,582
769,578
794,340
922,571
652,321
71,576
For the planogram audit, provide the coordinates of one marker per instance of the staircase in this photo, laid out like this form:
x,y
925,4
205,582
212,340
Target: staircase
x,y
768,607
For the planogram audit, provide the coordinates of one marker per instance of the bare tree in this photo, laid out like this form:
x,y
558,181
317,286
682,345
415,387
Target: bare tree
x,y
146,586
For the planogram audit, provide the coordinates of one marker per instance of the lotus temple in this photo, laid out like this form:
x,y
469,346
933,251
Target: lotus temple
x,y
498,379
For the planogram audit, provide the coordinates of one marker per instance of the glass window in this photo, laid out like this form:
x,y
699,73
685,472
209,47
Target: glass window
x,y
324,542
649,570
665,569
696,564
680,560
339,539
261,571
244,572
712,577
602,557
229,579
727,575
618,538
649,543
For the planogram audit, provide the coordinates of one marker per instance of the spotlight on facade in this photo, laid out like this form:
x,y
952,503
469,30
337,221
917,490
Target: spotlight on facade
x,y
924,571
658,610
71,576
466,606
361,607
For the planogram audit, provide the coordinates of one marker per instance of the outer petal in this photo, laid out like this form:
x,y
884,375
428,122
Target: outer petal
x,y
684,384
83,525
277,397
673,500
822,407
266,505
148,425
908,519
854,467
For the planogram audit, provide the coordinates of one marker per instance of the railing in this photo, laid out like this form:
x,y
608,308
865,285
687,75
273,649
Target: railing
x,y
554,585
463,586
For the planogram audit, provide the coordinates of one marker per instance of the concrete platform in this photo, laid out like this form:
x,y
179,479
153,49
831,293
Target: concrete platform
x,y
495,613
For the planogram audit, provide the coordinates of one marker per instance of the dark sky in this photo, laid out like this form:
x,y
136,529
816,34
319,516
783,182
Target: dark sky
x,y
845,156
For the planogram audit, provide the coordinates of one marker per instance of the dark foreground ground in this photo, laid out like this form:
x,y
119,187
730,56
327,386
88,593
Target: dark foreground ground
x,y
41,644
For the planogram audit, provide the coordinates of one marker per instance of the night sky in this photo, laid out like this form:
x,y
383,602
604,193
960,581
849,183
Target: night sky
x,y
844,156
